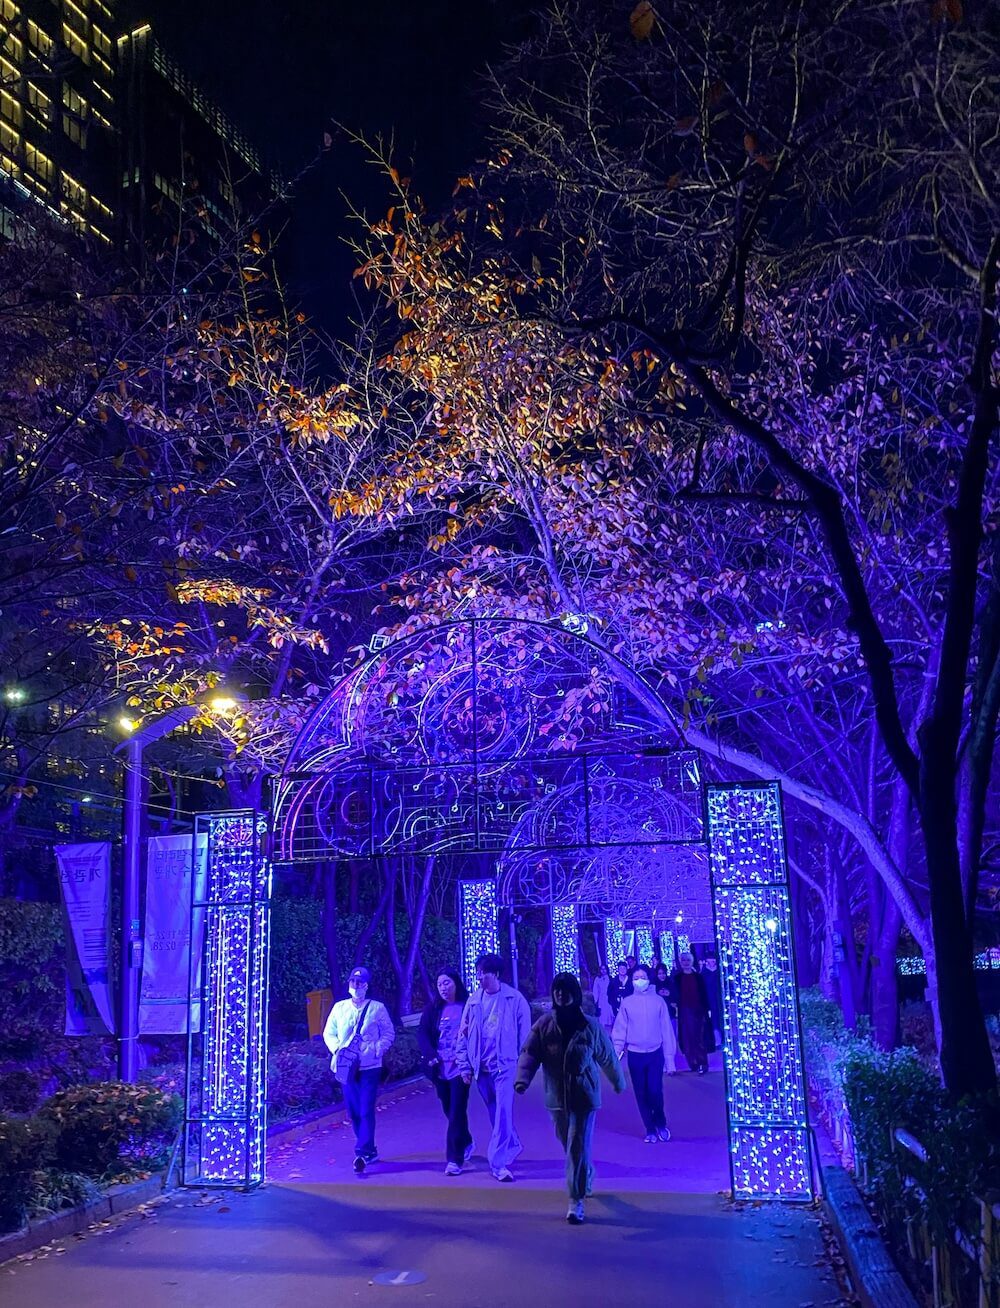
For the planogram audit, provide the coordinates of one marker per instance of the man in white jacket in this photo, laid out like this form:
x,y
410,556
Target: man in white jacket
x,y
495,1025
644,1032
363,1025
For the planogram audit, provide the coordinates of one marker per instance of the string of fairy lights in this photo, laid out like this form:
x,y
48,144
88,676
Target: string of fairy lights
x,y
227,1068
767,1110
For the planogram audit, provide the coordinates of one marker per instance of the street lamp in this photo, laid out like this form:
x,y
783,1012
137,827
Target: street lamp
x,y
140,735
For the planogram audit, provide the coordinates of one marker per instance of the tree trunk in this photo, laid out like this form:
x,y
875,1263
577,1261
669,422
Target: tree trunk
x,y
884,982
966,1059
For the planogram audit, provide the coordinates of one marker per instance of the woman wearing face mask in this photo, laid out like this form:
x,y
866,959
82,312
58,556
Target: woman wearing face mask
x,y
358,1034
643,1031
437,1037
571,1049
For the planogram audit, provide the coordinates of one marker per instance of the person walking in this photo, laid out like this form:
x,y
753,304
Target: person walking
x,y
572,1050
605,1013
691,998
619,986
713,993
359,1034
494,1027
437,1036
643,1031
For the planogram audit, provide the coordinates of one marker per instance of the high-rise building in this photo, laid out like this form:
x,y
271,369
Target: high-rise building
x,y
106,129
58,130
177,146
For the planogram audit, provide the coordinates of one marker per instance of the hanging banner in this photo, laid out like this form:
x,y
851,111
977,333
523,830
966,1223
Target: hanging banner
x,y
85,882
163,995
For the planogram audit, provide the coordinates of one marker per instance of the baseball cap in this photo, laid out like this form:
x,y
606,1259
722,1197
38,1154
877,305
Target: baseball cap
x,y
360,974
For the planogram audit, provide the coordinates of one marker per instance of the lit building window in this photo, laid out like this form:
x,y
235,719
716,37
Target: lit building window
x,y
39,163
75,43
96,231
74,191
9,74
76,14
8,10
9,108
76,220
102,42
13,46
10,166
9,139
40,102
39,40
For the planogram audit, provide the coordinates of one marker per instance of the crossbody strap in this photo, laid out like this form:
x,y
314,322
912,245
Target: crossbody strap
x,y
360,1023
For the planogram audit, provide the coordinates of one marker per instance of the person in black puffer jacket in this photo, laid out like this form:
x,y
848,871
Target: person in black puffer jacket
x,y
571,1049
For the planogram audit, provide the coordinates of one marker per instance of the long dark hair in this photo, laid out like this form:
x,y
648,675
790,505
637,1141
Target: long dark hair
x,y
461,993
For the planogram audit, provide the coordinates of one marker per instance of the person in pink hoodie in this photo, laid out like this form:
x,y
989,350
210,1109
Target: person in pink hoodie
x,y
644,1033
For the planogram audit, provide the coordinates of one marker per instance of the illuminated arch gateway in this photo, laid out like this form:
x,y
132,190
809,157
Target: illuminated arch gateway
x,y
528,746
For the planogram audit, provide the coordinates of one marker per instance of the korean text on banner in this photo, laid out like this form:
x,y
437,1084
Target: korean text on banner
x,y
163,997
85,883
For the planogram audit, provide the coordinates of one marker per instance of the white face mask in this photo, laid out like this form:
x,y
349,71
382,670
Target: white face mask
x,y
358,992
640,983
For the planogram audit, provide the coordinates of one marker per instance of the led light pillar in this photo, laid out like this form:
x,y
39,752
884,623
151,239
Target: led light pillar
x,y
614,942
565,939
477,924
766,1103
227,1057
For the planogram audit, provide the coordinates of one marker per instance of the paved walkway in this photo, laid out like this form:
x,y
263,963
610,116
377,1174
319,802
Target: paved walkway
x,y
657,1230
410,1136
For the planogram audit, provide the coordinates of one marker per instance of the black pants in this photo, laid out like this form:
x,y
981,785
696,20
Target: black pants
x,y
454,1096
646,1071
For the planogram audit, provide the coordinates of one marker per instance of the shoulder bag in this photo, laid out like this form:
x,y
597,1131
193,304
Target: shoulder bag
x,y
346,1059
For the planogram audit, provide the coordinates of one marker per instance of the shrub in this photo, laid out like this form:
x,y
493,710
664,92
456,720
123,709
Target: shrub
x,y
104,1127
298,957
886,1090
25,1145
52,1190
32,988
299,1079
403,1059
21,1089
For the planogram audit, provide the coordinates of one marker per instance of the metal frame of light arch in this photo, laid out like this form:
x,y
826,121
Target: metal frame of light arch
x,y
766,1101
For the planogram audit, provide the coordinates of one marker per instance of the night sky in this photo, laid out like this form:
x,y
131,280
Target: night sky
x,y
284,69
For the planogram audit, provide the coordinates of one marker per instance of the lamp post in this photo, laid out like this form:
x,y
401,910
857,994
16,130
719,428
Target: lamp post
x,y
131,934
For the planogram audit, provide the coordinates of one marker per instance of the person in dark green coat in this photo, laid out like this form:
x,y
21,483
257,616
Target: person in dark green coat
x,y
571,1049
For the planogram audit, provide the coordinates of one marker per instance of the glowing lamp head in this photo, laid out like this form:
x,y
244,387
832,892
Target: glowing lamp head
x,y
223,703
15,694
127,724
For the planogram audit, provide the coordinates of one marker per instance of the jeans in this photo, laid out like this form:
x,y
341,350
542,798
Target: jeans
x,y
497,1090
359,1096
454,1096
575,1129
646,1071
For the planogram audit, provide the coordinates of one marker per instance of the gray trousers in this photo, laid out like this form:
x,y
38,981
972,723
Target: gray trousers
x,y
575,1129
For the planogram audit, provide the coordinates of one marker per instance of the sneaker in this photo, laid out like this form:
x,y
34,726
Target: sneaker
x,y
360,1164
702,1071
649,1139
453,1169
372,1157
574,1213
468,1151
663,1134
503,1174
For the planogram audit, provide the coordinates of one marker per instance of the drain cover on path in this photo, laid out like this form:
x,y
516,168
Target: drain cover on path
x,y
398,1278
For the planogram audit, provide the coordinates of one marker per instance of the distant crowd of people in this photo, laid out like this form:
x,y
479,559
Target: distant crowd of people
x,y
488,1038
